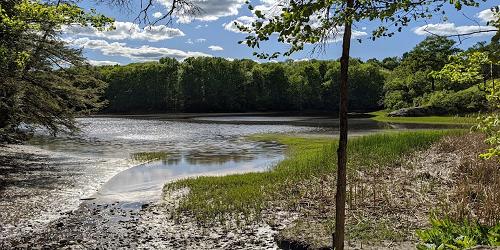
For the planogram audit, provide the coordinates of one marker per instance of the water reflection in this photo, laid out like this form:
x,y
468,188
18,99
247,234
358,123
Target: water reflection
x,y
145,182
173,150
177,149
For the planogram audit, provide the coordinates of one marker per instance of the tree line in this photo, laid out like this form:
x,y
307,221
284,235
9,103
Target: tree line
x,y
206,84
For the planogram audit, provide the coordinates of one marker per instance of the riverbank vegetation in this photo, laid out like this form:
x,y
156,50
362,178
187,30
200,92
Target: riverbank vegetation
x,y
396,183
218,85
465,119
309,159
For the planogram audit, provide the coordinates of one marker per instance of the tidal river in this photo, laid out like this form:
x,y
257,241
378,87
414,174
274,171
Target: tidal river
x,y
129,161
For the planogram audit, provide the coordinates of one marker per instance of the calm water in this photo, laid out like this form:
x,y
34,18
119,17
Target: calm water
x,y
171,150
191,149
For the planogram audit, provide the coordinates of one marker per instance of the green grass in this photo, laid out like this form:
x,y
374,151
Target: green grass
x,y
149,156
220,198
470,119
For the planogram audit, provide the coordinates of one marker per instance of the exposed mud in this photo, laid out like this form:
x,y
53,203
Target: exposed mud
x,y
37,186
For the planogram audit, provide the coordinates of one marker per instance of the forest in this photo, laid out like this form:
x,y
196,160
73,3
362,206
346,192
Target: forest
x,y
207,84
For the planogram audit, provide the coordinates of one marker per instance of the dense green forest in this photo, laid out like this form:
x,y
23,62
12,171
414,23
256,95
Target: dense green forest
x,y
206,84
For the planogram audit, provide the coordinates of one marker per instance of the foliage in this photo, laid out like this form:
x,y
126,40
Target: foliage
x,y
311,22
206,84
446,234
44,82
464,69
464,101
411,79
490,125
143,87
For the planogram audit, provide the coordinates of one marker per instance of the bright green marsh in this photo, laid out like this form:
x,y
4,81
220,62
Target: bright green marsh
x,y
218,198
381,116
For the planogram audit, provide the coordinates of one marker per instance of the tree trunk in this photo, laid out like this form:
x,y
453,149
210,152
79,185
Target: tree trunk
x,y
340,197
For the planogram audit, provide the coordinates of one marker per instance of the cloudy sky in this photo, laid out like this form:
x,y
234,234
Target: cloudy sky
x,y
213,33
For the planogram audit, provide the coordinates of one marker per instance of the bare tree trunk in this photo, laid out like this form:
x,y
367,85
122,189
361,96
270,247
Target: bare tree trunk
x,y
340,197
491,76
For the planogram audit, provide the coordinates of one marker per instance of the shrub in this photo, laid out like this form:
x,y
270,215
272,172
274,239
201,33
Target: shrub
x,y
446,234
464,101
395,100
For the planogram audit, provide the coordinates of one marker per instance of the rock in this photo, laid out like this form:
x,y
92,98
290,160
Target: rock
x,y
417,111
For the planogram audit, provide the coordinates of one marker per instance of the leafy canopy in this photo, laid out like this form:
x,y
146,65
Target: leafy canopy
x,y
44,82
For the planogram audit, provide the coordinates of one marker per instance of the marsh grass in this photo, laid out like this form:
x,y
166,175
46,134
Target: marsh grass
x,y
149,156
244,196
468,119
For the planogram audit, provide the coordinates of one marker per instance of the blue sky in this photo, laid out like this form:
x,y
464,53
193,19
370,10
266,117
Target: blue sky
x,y
211,34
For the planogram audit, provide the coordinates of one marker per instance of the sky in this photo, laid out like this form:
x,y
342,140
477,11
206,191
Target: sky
x,y
213,33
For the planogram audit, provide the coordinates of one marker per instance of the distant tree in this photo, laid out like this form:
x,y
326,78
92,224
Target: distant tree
x,y
44,82
430,54
411,79
391,63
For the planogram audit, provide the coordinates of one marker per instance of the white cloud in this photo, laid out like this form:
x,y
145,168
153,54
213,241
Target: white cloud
x,y
199,40
215,48
126,30
101,63
210,10
157,14
337,35
142,53
302,60
486,15
269,8
450,29
242,20
247,21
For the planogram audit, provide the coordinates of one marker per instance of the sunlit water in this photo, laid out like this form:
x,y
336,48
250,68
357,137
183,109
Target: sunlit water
x,y
192,149
189,149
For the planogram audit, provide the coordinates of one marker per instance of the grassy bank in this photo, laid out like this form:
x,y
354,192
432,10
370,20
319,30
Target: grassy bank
x,y
381,116
307,158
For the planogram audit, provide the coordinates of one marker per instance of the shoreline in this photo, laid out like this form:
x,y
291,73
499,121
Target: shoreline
x,y
113,225
358,121
40,186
